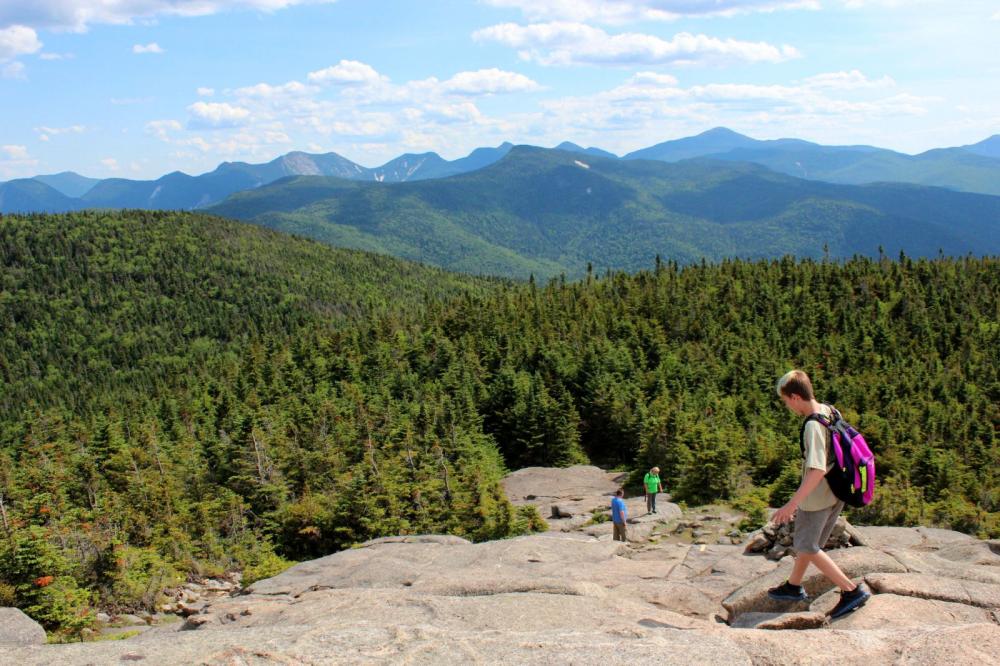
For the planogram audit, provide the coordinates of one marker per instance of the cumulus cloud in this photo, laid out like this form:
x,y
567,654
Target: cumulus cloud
x,y
111,164
654,78
161,128
622,11
346,73
78,15
205,92
210,115
565,43
44,133
15,161
489,82
264,90
152,47
627,116
17,40
848,81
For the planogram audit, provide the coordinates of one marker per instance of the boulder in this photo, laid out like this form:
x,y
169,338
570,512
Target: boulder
x,y
892,611
972,593
757,543
16,628
558,511
931,562
892,537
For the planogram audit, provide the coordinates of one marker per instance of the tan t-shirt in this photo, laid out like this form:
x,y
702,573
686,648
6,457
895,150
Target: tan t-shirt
x,y
818,456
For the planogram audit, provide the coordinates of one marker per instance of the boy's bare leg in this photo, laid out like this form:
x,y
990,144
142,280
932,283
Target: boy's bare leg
x,y
826,566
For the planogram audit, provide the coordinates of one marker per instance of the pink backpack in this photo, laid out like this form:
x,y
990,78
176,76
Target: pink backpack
x,y
852,477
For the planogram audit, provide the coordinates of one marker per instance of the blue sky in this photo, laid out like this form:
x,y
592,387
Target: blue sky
x,y
138,88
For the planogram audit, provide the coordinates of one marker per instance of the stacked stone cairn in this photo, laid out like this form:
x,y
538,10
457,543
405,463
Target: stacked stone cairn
x,y
775,541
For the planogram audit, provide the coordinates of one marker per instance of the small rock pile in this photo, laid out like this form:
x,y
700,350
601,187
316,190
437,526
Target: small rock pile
x,y
193,597
775,541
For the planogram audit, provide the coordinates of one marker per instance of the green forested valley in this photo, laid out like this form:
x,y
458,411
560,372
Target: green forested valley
x,y
550,212
182,393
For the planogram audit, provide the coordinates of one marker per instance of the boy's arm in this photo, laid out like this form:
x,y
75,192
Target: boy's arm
x,y
787,512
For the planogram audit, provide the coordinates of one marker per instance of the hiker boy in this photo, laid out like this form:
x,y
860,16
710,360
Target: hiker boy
x,y
652,484
813,506
619,515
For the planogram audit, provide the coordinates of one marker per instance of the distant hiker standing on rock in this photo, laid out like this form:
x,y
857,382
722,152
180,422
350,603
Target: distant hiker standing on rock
x,y
814,507
619,515
652,484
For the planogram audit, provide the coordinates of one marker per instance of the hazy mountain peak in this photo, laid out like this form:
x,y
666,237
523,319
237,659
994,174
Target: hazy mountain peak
x,y
722,132
571,147
715,140
989,147
69,183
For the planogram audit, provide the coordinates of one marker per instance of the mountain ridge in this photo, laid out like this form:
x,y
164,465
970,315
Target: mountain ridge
x,y
973,168
540,205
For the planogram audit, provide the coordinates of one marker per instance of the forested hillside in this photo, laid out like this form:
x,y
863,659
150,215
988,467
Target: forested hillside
x,y
547,212
193,394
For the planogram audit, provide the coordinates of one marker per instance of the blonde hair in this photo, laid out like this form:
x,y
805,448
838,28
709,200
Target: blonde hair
x,y
795,382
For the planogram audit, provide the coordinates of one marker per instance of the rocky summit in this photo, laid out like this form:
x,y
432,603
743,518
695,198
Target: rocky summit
x,y
572,595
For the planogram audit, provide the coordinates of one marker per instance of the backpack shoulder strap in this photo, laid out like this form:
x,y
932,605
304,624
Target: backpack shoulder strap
x,y
823,420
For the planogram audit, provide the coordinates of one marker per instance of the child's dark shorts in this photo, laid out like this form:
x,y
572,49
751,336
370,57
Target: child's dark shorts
x,y
813,528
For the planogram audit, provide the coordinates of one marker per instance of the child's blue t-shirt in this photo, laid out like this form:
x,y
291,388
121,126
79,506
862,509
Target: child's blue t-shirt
x,y
618,512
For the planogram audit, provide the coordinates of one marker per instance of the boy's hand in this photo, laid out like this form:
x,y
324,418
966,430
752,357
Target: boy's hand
x,y
784,514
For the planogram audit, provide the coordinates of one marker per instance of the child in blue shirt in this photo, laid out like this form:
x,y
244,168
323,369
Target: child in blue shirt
x,y
619,515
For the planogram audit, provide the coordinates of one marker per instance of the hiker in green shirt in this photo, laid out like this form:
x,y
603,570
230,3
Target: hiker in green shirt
x,y
652,484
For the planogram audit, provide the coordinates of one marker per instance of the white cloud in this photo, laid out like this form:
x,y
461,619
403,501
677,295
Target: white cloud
x,y
110,163
152,47
564,43
205,92
654,78
264,90
848,81
17,40
347,72
489,82
622,11
161,128
77,15
15,152
44,133
56,56
13,70
209,115
15,162
996,16
625,117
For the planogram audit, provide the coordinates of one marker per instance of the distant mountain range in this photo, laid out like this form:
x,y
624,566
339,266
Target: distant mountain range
x,y
972,168
545,212
68,191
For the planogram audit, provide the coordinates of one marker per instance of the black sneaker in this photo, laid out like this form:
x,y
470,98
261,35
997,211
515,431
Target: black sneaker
x,y
787,592
850,601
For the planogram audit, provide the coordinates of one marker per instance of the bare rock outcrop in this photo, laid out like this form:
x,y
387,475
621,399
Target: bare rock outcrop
x,y
16,628
854,562
577,597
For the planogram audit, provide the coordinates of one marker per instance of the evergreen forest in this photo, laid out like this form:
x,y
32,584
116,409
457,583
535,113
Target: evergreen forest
x,y
185,394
